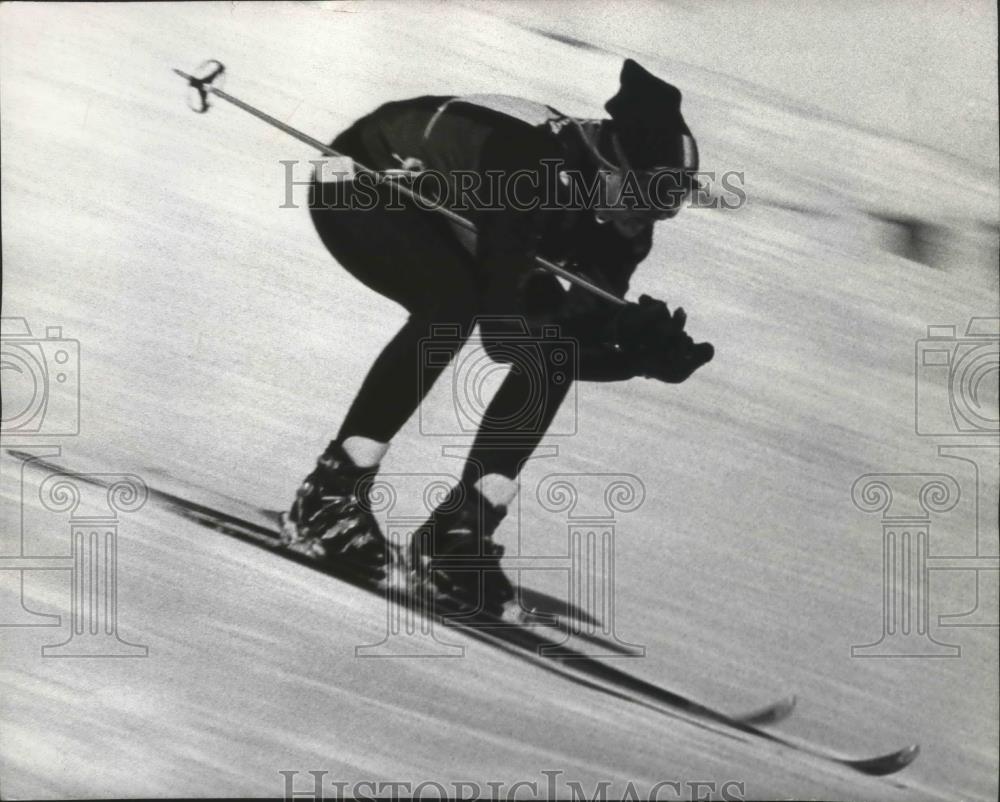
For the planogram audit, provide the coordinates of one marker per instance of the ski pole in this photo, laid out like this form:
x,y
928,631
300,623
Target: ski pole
x,y
204,86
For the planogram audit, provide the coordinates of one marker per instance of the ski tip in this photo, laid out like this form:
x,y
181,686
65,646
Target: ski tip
x,y
772,714
886,764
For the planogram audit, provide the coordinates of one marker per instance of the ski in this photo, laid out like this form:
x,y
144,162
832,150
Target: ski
x,y
545,646
647,694
531,645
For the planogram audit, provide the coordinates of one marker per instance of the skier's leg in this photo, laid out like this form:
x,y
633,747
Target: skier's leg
x,y
405,256
409,257
400,377
329,507
517,418
463,526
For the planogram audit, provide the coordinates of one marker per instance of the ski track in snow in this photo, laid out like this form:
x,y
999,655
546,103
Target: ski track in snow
x,y
220,346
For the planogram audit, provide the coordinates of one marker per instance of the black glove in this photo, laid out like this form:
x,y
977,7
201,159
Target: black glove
x,y
677,363
642,327
655,343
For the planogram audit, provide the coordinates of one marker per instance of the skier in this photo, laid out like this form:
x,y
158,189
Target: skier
x,y
446,282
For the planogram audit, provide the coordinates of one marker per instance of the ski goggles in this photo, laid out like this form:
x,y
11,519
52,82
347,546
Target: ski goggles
x,y
657,192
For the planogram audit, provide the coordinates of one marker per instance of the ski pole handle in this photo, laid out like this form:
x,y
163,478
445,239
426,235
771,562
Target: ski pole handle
x,y
204,86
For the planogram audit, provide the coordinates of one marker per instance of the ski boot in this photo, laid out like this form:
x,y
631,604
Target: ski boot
x,y
329,520
454,553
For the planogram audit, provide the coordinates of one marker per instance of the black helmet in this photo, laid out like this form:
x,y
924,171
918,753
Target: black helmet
x,y
648,122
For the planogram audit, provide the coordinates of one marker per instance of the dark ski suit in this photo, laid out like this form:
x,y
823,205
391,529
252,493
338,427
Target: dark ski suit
x,y
445,281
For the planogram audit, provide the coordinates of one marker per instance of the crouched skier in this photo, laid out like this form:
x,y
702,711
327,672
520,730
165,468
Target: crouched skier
x,y
446,279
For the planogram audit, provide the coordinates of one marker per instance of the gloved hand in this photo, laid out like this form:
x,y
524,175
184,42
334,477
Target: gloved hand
x,y
677,363
655,343
642,327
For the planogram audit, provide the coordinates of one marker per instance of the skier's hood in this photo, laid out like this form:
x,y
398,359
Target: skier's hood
x,y
647,118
